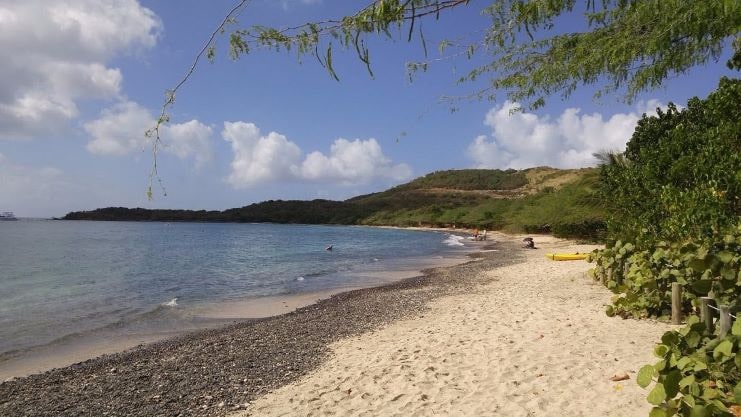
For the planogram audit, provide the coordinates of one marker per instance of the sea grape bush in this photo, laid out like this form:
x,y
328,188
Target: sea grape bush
x,y
642,279
675,216
697,373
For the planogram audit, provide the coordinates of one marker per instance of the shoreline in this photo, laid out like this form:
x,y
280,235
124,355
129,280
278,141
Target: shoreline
x,y
79,347
229,366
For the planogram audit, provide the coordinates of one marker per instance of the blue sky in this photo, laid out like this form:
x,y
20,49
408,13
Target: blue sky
x,y
81,79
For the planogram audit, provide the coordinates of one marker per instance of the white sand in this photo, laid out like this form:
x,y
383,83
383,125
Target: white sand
x,y
535,342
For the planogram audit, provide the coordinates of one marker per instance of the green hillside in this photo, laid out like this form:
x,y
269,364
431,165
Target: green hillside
x,y
540,199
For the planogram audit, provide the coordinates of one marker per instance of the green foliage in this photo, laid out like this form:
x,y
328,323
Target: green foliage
x,y
642,278
675,212
628,46
682,177
697,373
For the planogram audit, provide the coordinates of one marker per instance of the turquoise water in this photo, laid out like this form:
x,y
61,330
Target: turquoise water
x,y
62,278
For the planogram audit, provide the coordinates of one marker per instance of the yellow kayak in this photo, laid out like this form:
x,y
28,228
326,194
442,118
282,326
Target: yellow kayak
x,y
567,256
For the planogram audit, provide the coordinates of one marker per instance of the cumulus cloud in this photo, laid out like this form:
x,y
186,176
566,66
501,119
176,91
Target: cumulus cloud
x,y
57,55
189,139
267,158
120,131
521,140
352,162
258,158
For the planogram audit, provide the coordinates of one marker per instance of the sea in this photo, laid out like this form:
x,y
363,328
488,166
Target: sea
x,y
77,283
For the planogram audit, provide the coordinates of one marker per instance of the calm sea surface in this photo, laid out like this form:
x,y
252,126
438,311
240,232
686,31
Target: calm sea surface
x,y
59,279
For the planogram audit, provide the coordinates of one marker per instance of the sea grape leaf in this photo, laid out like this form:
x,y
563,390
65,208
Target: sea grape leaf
x,y
728,272
683,362
657,412
702,286
671,383
724,348
645,375
736,329
657,395
692,339
670,338
661,350
699,410
725,256
710,394
720,406
686,381
698,265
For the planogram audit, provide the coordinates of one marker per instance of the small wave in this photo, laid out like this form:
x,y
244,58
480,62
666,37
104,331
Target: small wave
x,y
300,279
454,240
376,259
171,303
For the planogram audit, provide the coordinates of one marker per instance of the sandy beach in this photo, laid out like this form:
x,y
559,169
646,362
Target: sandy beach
x,y
508,333
532,341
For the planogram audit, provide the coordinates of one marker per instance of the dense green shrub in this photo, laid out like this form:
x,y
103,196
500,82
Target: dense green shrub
x,y
697,374
675,217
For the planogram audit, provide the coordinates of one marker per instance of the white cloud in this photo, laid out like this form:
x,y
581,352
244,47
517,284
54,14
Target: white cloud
x,y
257,158
352,162
120,131
521,140
188,139
57,54
260,159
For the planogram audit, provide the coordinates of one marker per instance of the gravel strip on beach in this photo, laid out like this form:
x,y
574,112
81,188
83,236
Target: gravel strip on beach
x,y
214,372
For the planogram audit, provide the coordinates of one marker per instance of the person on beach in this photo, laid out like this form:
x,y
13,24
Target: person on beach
x,y
529,243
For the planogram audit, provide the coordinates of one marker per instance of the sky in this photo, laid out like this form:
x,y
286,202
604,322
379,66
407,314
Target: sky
x,y
81,80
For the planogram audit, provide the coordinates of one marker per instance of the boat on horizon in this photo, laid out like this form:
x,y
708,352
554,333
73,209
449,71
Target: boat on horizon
x,y
7,215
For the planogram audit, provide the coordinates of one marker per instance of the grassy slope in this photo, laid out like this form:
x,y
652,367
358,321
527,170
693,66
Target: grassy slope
x,y
538,199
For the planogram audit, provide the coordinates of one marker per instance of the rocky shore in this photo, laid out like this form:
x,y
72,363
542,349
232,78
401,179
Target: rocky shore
x,y
215,372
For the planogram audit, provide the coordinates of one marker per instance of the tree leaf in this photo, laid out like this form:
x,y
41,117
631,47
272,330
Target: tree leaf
x,y
686,381
725,256
671,383
645,375
737,393
657,412
702,286
699,410
724,348
683,362
657,395
661,350
736,329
